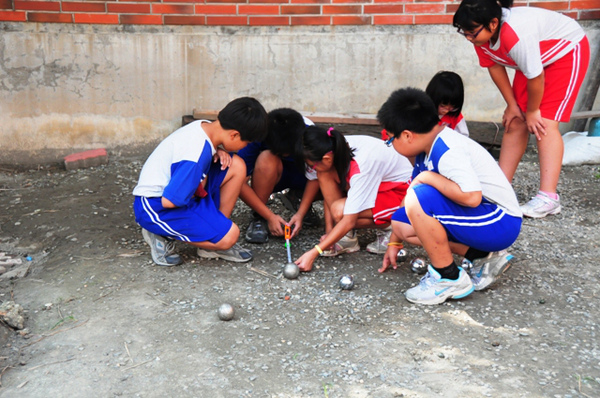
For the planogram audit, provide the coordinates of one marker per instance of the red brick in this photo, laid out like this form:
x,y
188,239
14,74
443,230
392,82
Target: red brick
x,y
172,9
572,14
392,1
16,16
296,10
320,20
270,21
83,6
185,20
225,1
551,5
226,20
48,17
223,9
178,1
384,9
6,5
96,18
424,8
255,9
451,8
347,1
144,1
339,9
584,4
310,1
92,158
392,20
591,14
433,19
141,19
351,20
37,5
268,1
125,8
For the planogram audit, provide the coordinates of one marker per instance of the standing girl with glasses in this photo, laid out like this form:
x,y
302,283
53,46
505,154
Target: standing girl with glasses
x,y
550,53
363,183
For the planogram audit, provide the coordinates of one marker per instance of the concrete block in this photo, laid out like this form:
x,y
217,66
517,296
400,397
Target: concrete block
x,y
92,158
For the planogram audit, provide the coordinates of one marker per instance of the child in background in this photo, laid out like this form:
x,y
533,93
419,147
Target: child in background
x,y
447,92
184,193
273,169
459,201
550,53
363,182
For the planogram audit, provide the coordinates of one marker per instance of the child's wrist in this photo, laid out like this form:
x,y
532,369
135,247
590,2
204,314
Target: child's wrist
x,y
318,249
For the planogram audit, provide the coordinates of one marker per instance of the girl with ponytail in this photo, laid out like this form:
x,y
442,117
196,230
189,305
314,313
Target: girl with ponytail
x,y
363,182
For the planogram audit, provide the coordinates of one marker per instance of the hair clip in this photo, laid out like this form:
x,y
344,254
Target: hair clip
x,y
329,131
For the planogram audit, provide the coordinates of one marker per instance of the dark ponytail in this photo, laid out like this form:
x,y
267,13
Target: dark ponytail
x,y
472,13
317,142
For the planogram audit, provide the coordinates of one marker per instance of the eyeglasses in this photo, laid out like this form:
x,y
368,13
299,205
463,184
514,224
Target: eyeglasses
x,y
390,141
471,36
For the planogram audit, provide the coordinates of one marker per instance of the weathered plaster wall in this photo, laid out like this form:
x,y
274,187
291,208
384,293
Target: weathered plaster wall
x,y
67,87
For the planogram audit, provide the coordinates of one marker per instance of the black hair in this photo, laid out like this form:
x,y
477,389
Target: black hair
x,y
472,13
408,109
247,116
446,88
317,142
285,130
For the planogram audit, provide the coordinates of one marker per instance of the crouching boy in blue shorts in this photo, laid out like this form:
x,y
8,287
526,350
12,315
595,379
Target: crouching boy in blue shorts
x,y
459,201
273,168
184,193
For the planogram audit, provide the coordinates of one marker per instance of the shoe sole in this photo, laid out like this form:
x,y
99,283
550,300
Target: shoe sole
x,y
349,250
542,215
210,255
376,251
440,299
249,239
502,270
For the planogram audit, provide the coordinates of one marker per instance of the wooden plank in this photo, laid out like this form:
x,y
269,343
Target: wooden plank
x,y
333,118
585,114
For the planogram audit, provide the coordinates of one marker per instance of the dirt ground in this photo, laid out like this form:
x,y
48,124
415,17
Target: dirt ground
x,y
102,321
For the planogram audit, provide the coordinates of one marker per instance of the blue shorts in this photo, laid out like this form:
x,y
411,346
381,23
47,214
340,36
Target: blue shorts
x,y
291,177
199,221
486,227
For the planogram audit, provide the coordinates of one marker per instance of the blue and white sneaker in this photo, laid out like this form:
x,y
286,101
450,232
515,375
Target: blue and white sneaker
x,y
488,270
433,289
162,249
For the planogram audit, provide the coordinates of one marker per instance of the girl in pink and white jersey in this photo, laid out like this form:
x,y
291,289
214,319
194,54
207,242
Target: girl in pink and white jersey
x,y
550,53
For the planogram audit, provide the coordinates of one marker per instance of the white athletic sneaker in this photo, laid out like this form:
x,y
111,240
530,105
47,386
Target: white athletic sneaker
x,y
380,245
235,253
348,244
540,206
161,249
433,289
487,270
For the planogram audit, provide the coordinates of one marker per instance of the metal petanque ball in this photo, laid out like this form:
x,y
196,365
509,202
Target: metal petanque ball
x,y
226,312
418,266
346,282
402,254
291,271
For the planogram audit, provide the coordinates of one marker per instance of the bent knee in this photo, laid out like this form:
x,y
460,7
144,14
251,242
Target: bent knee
x,y
238,166
229,239
268,163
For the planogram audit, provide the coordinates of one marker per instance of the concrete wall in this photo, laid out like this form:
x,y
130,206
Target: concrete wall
x,y
68,87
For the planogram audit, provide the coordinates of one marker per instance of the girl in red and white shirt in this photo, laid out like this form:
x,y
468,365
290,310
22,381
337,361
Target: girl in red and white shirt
x,y
550,53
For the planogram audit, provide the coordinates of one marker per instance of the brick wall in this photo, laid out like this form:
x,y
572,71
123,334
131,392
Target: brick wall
x,y
260,12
